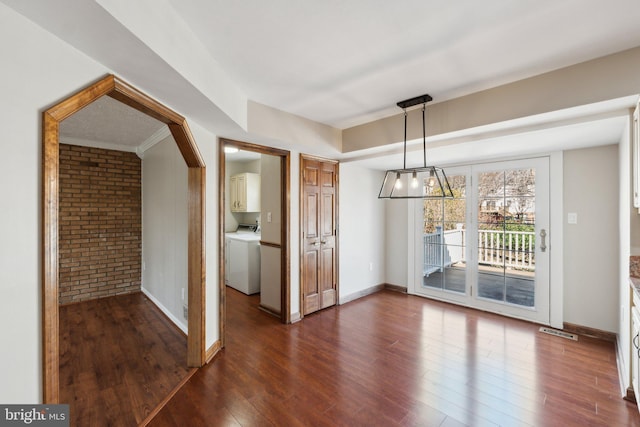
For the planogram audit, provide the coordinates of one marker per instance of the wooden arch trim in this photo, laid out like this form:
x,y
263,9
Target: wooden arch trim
x,y
123,92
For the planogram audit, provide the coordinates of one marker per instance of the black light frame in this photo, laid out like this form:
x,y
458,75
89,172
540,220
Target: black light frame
x,y
390,188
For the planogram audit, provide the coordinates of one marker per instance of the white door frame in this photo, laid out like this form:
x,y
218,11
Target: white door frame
x,y
554,243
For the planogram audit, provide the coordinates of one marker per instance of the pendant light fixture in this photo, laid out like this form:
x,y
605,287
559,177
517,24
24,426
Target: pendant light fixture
x,y
426,182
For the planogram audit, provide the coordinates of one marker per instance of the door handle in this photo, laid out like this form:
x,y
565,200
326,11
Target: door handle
x,y
543,243
635,341
314,243
323,242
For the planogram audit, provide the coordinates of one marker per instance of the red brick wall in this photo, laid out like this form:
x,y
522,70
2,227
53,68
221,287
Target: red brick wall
x,y
100,216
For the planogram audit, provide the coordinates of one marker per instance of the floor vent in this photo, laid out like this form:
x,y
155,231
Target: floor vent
x,y
559,333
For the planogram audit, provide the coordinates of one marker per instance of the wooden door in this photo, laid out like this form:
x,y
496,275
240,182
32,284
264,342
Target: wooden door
x,y
319,230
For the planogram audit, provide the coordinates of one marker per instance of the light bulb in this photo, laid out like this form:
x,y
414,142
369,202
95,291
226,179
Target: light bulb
x,y
230,150
432,179
398,181
414,180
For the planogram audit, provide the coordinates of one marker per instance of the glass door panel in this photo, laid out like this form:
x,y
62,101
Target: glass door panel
x,y
506,236
444,240
511,199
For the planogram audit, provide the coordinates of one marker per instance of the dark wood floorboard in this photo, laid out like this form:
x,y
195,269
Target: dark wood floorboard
x,y
391,359
119,358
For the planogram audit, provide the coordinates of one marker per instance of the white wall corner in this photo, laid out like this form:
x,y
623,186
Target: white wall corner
x,y
166,312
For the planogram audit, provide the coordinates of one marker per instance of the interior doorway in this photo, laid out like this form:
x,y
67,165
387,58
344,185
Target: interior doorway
x,y
117,89
278,245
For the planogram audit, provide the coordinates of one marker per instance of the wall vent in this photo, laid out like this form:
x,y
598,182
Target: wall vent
x,y
557,333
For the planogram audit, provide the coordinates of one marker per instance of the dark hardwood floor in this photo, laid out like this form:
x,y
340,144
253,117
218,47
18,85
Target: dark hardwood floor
x,y
391,359
119,358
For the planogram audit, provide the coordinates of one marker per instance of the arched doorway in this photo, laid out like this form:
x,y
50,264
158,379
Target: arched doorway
x,y
119,90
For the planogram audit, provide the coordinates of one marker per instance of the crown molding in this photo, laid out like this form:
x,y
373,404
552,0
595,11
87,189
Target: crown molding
x,y
158,136
96,144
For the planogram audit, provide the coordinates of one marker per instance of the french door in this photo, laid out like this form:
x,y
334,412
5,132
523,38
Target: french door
x,y
488,246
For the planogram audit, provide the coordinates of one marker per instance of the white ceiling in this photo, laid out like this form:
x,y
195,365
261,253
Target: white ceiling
x,y
109,122
345,63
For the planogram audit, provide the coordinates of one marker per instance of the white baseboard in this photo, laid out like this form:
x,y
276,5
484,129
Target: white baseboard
x,y
166,312
622,372
363,293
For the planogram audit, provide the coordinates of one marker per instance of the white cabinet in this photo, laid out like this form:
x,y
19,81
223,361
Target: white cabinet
x,y
635,352
635,343
244,192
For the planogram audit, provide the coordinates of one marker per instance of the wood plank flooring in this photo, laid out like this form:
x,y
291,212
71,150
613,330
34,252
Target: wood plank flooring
x,y
391,359
119,358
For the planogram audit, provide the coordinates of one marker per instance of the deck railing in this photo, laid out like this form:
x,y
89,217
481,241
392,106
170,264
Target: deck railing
x,y
510,249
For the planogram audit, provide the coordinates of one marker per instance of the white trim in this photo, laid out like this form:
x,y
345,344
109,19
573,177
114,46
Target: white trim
x,y
96,144
556,240
163,309
622,370
553,307
360,294
412,251
158,136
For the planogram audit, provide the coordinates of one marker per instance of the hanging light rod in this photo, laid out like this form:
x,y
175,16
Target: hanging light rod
x,y
426,182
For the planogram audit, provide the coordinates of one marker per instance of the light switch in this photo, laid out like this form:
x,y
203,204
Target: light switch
x,y
268,216
572,218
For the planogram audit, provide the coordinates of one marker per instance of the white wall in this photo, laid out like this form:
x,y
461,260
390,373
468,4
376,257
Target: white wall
x,y
591,250
397,224
165,227
271,221
270,198
362,230
37,72
293,132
